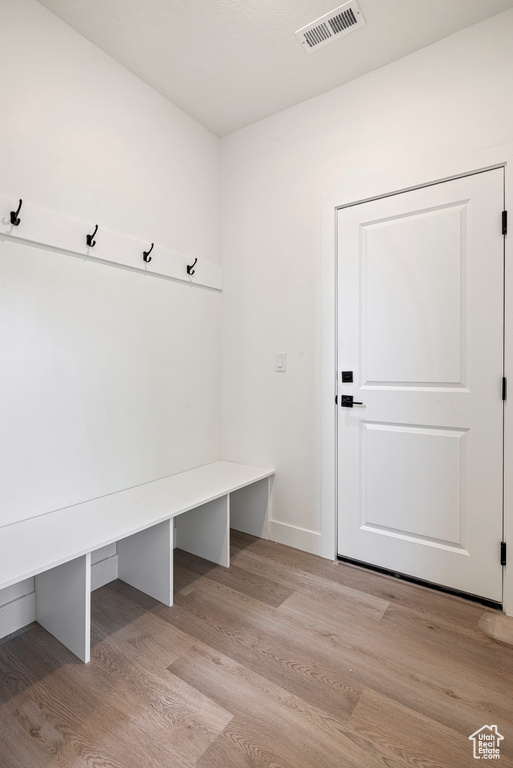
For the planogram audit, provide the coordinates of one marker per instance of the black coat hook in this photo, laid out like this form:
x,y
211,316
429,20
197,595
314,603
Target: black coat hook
x,y
190,270
146,254
89,238
15,221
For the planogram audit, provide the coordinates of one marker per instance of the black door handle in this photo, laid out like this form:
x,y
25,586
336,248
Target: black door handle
x,y
347,401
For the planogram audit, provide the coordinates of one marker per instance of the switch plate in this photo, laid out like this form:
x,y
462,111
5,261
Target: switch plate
x,y
280,362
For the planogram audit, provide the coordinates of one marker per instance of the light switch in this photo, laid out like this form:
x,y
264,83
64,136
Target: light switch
x,y
280,362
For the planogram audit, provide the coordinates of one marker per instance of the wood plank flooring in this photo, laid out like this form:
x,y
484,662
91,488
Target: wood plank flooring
x,y
284,660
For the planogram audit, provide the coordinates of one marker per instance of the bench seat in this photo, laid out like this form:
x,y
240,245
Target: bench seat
x,y
56,547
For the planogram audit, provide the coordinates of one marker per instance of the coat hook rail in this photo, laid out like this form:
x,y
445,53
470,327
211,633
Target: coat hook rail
x,y
146,254
15,220
72,236
89,238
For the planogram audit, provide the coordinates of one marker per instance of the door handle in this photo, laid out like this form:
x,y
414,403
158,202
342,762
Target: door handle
x,y
347,401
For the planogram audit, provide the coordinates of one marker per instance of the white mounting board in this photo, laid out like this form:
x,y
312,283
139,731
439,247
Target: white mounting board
x,y
64,233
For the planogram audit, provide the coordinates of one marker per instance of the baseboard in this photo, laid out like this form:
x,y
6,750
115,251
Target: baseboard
x,y
17,614
104,572
103,553
299,538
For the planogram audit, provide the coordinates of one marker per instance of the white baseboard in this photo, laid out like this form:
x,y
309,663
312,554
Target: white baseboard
x,y
299,538
103,553
104,572
17,614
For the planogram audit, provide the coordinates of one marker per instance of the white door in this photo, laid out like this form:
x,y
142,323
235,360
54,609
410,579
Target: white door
x,y
420,326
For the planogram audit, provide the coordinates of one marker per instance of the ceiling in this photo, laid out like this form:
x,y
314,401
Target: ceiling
x,y
229,63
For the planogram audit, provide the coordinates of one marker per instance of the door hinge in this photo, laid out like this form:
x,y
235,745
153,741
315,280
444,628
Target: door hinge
x,y
504,388
503,553
504,222
336,399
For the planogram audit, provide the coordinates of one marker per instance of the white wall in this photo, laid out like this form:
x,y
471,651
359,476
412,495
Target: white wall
x,y
109,378
447,100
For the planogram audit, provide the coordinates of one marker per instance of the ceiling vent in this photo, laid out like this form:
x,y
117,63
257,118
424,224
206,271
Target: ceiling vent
x,y
331,26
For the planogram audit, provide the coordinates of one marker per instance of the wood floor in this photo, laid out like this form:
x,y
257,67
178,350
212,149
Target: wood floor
x,y
283,661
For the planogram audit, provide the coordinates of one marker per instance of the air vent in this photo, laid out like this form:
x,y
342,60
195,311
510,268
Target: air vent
x,y
331,26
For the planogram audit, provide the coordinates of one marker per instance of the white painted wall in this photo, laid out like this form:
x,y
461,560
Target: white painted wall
x,y
109,378
446,100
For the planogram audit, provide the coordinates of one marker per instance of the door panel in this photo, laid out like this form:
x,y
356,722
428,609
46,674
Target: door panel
x,y
398,285
421,327
427,466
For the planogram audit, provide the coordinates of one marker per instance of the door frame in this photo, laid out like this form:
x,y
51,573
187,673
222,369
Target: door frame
x,y
487,159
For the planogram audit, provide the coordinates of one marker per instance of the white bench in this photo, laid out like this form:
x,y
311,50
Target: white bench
x,y
56,547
